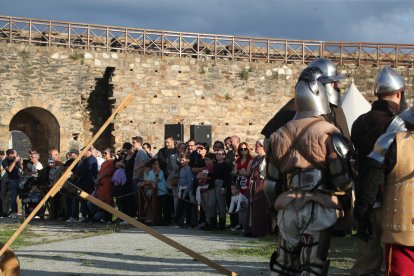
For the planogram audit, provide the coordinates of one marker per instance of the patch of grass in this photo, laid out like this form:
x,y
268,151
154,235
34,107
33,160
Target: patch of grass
x,y
31,236
244,74
228,97
77,56
22,240
263,247
342,253
25,55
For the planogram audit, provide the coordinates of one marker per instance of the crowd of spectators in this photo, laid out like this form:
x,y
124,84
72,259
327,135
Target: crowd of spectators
x,y
185,184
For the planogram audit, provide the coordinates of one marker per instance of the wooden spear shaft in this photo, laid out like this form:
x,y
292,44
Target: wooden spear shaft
x,y
58,185
155,234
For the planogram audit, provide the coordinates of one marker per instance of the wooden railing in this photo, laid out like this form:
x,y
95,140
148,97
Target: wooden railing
x,y
199,46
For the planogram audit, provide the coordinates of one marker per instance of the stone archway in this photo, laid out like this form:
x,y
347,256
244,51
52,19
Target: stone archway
x,y
41,127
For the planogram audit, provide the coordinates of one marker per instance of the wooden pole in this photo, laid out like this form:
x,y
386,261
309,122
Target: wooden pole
x,y
154,233
58,185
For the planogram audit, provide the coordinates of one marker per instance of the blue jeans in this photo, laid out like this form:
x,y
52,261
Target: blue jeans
x,y
13,187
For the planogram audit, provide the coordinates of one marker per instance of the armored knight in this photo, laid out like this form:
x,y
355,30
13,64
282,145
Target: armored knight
x,y
389,88
309,156
392,160
325,71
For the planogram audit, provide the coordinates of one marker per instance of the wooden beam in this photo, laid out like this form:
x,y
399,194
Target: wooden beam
x,y
58,185
154,233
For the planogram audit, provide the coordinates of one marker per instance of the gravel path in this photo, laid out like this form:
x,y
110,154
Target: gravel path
x,y
133,252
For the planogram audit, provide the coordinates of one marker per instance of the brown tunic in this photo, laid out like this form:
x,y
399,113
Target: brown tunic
x,y
398,201
312,145
311,151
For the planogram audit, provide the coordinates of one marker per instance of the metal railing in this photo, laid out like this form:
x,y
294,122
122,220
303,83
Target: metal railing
x,y
199,46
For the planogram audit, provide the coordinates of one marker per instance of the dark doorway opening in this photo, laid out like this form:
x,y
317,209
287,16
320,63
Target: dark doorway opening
x,y
100,108
40,126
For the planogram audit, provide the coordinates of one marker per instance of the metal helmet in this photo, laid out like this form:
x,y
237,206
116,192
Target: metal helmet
x,y
388,81
408,115
310,94
329,75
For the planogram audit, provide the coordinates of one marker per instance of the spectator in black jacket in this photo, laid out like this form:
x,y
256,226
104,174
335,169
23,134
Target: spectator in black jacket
x,y
365,132
163,157
87,173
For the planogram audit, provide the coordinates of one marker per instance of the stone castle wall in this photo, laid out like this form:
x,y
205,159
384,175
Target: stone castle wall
x,y
234,97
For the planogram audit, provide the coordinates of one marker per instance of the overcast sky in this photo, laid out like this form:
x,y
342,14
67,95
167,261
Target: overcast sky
x,y
390,21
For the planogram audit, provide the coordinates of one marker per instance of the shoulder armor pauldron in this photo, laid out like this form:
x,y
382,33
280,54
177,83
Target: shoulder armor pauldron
x,y
381,146
385,140
396,125
341,144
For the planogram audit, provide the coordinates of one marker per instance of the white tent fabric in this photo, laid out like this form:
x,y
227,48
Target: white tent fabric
x,y
354,105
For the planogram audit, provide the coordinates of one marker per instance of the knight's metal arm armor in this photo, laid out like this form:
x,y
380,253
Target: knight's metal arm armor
x,y
339,166
273,185
385,140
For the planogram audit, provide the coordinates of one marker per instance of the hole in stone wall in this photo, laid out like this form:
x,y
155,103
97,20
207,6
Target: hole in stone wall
x,y
156,71
131,69
100,105
155,96
179,72
226,124
202,97
179,96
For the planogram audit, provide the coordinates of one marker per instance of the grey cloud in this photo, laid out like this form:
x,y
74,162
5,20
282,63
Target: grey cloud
x,y
330,20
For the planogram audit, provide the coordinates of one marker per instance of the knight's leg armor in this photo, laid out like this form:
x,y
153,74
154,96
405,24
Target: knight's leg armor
x,y
314,252
285,261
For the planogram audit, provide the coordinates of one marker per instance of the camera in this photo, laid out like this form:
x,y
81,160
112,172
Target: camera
x,y
120,155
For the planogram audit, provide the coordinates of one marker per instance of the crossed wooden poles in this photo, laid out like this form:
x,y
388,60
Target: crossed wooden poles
x,y
58,185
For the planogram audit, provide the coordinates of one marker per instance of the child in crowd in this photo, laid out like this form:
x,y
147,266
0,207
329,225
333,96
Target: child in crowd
x,y
146,183
185,184
156,176
204,182
237,208
149,188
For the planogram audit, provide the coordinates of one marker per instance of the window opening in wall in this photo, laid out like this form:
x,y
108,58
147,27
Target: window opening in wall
x,y
100,103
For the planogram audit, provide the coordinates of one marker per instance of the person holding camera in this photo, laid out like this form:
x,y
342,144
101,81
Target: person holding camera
x,y
13,165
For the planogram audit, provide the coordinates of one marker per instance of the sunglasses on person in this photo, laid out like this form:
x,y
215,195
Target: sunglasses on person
x,y
200,148
243,149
